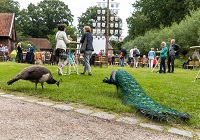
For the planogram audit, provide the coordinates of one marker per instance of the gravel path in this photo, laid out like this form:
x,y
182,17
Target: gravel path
x,y
21,120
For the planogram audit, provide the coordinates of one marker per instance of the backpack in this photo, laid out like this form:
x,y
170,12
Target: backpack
x,y
136,53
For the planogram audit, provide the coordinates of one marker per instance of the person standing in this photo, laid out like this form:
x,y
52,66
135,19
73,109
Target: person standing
x,y
151,56
3,49
19,53
100,53
89,49
163,56
30,55
136,55
155,61
61,40
173,51
103,53
7,53
130,59
123,56
31,48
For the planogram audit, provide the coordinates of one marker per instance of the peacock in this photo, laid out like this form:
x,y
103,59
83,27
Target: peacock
x,y
134,95
36,74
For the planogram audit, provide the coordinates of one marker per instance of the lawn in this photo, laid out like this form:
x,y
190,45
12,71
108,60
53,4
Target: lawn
x,y
174,90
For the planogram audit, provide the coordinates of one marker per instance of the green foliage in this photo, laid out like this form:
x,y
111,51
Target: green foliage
x,y
171,90
117,46
39,20
186,34
151,14
20,36
85,18
137,24
25,46
52,38
9,6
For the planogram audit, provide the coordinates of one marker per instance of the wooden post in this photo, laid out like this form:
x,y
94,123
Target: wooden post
x,y
107,28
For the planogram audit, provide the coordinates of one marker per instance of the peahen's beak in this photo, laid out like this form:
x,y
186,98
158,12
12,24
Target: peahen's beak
x,y
58,83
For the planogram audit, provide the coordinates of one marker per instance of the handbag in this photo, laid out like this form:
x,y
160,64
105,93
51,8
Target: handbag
x,y
60,53
84,45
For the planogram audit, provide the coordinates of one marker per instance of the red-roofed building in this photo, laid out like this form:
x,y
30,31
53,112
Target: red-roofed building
x,y
7,30
41,43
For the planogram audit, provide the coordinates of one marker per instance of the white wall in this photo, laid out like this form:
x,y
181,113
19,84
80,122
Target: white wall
x,y
98,44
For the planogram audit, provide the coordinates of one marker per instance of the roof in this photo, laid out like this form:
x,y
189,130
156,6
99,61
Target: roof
x,y
6,25
40,43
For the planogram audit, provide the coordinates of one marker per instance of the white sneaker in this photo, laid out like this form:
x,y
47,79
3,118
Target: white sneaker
x,y
60,71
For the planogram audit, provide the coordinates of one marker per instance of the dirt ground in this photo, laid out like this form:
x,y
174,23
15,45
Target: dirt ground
x,y
21,120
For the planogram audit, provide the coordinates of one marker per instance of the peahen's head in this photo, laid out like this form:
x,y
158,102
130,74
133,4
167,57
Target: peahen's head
x,y
58,82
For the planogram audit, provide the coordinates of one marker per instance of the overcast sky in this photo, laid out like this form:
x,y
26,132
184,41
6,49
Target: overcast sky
x,y
78,7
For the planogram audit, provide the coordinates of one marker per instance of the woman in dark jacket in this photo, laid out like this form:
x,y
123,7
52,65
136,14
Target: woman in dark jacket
x,y
123,52
89,49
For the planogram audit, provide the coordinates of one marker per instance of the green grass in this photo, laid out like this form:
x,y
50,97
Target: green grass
x,y
175,90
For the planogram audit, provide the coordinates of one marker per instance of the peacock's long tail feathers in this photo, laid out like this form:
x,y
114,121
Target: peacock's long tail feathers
x,y
134,95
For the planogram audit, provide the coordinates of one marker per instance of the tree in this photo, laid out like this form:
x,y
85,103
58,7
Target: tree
x,y
40,21
9,6
186,33
85,18
137,24
117,46
151,14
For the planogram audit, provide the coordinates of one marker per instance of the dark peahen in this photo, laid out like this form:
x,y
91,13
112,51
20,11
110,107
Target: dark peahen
x,y
36,74
134,95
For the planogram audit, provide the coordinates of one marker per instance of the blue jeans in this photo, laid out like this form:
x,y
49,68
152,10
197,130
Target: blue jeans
x,y
122,62
87,56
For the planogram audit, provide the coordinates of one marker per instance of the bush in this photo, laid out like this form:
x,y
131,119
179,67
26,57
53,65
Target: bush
x,y
187,34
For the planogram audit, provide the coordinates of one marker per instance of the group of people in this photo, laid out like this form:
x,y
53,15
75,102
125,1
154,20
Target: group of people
x,y
61,40
166,53
5,51
29,55
102,53
169,53
135,55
